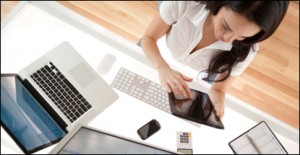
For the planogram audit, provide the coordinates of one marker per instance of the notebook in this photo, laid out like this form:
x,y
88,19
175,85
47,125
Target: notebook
x,y
199,109
260,139
46,99
88,140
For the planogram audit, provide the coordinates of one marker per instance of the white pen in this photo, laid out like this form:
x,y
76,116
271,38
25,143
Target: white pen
x,y
254,144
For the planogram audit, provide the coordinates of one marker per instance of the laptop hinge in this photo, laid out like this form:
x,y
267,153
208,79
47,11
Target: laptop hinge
x,y
46,105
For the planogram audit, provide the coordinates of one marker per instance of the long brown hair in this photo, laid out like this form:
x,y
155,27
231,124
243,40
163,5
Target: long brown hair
x,y
266,14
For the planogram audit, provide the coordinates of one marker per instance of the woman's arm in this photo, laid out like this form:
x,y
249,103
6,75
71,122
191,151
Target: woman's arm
x,y
155,31
169,78
217,93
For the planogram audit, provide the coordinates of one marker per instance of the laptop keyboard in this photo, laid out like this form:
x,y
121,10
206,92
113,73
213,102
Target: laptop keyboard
x,y
143,89
64,95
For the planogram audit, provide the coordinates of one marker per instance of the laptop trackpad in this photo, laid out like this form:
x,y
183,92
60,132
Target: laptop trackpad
x,y
82,75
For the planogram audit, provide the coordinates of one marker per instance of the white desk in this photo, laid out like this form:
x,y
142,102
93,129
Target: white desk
x,y
39,26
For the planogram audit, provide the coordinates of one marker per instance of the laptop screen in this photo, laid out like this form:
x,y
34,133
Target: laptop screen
x,y
89,141
25,120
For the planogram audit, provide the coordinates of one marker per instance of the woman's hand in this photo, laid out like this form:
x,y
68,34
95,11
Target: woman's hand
x,y
219,107
217,99
217,93
174,81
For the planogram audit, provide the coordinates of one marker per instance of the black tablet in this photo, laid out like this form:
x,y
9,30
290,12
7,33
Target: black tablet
x,y
199,109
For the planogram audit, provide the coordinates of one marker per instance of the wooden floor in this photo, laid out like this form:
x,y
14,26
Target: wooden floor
x,y
270,83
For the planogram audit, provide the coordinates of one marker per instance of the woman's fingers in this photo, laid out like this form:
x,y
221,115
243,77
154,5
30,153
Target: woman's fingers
x,y
219,110
174,87
188,79
179,86
168,88
187,90
183,87
175,82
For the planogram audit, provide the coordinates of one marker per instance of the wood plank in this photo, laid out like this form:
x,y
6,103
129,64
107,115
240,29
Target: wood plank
x,y
6,7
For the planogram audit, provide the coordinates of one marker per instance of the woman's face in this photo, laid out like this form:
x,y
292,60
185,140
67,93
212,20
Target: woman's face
x,y
230,26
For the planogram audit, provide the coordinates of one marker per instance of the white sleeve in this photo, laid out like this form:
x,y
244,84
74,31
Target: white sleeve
x,y
241,66
172,11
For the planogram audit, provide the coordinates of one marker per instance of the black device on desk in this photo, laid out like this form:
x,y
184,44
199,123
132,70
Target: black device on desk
x,y
148,129
199,109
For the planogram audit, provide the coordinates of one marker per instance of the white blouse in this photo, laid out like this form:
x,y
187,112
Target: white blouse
x,y
187,19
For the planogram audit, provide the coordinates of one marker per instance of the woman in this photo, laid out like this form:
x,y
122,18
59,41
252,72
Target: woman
x,y
217,37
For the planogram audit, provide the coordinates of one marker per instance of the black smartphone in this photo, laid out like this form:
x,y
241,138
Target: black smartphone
x,y
148,129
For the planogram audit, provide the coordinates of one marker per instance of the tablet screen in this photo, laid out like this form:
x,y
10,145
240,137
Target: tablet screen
x,y
199,109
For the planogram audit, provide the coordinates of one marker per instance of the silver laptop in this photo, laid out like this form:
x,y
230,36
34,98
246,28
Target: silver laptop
x,y
58,90
88,140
